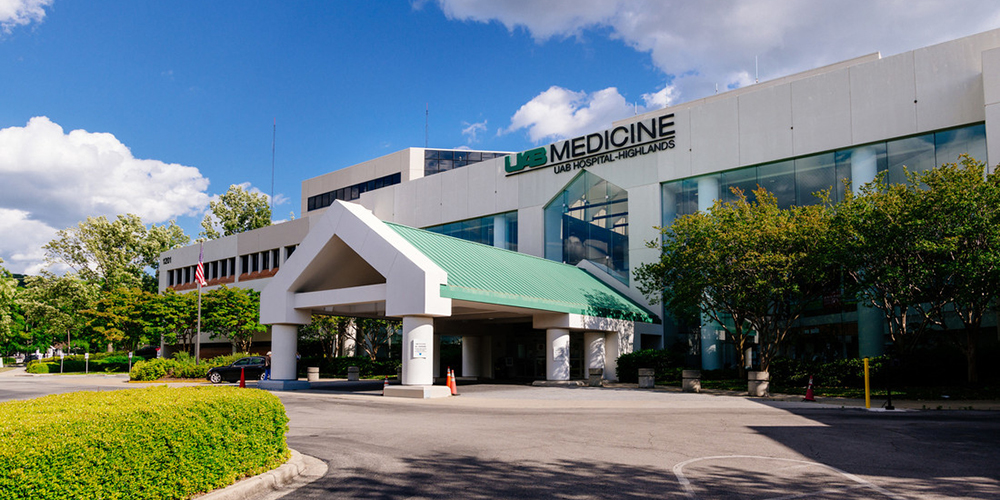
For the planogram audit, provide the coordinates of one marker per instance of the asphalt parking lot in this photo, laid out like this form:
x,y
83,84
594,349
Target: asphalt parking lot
x,y
499,441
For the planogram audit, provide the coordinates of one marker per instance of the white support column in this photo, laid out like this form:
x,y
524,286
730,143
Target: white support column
x,y
593,351
612,349
284,344
418,365
437,357
350,339
557,354
471,356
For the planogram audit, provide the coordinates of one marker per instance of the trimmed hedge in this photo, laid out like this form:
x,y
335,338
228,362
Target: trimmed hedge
x,y
337,367
666,364
155,442
179,367
105,362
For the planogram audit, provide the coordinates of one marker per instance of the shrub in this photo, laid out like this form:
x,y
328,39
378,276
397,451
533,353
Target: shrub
x,y
180,366
37,366
337,367
155,442
151,370
666,364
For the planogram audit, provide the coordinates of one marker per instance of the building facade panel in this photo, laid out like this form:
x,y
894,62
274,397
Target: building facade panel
x,y
883,96
765,124
821,112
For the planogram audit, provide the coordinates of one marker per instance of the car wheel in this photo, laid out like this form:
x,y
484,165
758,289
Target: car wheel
x,y
215,377
263,376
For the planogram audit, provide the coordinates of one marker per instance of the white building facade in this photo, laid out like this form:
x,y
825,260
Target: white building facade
x,y
594,201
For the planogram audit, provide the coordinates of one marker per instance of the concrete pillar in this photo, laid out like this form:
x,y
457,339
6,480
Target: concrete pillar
x,y
350,339
500,231
418,350
471,356
593,350
871,337
612,349
437,357
284,343
557,354
711,346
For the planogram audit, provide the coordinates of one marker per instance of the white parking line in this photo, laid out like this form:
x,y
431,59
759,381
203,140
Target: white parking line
x,y
861,483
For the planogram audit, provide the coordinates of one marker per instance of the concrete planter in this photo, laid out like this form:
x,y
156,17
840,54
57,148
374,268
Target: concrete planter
x,y
647,380
691,380
596,377
758,384
353,374
312,373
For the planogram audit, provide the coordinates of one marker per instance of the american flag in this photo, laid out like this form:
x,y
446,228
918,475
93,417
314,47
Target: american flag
x,y
199,273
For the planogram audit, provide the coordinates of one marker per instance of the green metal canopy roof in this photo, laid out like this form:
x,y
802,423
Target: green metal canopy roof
x,y
485,274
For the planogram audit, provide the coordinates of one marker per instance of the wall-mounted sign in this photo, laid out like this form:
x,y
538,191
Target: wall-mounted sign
x,y
166,260
622,142
419,349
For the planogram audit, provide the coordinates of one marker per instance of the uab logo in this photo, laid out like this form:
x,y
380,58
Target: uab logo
x,y
528,159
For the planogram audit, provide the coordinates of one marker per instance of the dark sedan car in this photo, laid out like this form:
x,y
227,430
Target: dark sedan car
x,y
252,366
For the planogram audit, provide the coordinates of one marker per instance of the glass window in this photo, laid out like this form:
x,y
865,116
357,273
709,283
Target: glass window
x,y
950,144
913,154
744,179
779,179
813,174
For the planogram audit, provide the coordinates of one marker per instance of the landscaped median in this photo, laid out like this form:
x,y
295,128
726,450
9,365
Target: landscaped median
x,y
155,442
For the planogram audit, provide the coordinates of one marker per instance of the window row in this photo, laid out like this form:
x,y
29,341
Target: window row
x,y
436,161
796,181
351,192
495,230
213,270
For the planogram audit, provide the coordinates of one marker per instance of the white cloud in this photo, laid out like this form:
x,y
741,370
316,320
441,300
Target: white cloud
x,y
472,130
698,45
52,180
21,12
560,113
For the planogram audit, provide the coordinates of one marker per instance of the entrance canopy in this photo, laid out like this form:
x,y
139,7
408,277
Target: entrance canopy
x,y
353,264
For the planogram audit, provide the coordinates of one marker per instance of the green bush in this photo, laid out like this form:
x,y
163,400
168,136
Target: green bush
x,y
337,367
667,365
180,366
36,366
839,373
155,442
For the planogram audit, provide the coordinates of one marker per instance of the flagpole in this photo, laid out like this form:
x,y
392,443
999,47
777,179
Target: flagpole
x,y
197,338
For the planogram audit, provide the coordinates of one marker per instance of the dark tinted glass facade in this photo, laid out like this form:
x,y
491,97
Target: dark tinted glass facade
x,y
437,161
351,192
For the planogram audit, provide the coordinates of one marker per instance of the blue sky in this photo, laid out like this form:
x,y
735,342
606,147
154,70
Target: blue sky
x,y
154,107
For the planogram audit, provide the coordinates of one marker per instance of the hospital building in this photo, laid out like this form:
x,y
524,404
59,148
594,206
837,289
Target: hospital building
x,y
528,256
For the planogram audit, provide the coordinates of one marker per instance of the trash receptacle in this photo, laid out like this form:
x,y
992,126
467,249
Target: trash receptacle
x,y
352,374
312,373
646,378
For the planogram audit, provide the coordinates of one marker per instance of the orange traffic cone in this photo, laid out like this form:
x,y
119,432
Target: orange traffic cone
x,y
453,385
809,391
385,385
243,379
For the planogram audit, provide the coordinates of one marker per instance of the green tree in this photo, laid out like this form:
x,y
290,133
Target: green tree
x,y
8,294
374,335
961,205
52,307
886,244
328,331
121,317
233,313
115,253
173,317
236,211
749,266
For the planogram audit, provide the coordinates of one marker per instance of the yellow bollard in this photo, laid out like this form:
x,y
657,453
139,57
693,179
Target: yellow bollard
x,y
868,397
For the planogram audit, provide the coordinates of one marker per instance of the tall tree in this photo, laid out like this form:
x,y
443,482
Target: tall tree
x,y
115,253
236,211
886,243
52,307
750,266
173,317
374,335
122,317
233,313
328,331
8,292
962,209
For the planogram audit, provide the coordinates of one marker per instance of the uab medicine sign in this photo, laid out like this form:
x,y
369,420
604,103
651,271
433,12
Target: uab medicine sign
x,y
622,142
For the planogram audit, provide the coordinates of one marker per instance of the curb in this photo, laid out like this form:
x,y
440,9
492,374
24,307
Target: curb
x,y
257,486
